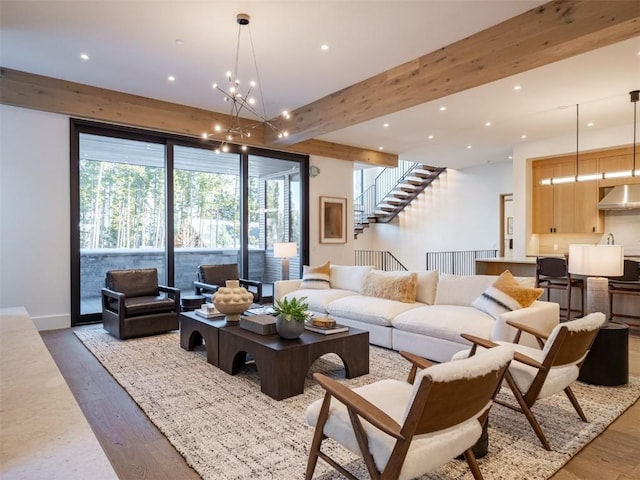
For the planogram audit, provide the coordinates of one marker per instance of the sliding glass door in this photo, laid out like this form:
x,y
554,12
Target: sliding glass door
x,y
122,211
206,202
141,199
274,214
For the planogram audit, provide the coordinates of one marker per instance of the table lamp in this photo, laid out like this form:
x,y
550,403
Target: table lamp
x,y
596,262
285,251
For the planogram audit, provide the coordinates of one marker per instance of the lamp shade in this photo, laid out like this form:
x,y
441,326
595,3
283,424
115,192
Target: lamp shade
x,y
285,250
596,260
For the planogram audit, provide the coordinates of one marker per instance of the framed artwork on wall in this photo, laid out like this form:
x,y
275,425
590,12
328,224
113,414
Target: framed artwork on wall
x,y
333,220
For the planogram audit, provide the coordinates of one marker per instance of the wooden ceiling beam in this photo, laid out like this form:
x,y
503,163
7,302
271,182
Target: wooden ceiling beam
x,y
38,92
554,31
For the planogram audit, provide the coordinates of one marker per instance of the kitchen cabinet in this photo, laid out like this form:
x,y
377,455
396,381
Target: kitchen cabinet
x,y
573,207
554,205
587,217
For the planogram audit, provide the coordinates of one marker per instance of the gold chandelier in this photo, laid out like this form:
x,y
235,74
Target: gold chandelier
x,y
242,99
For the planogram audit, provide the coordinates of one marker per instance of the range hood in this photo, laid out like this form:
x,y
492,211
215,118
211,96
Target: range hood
x,y
622,197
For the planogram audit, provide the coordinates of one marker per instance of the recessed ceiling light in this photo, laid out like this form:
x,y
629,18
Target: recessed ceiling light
x,y
84,56
590,124
487,124
443,108
385,125
510,157
430,137
517,87
171,78
324,47
523,136
380,148
179,42
469,147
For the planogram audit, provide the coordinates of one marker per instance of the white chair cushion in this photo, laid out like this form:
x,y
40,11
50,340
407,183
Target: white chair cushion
x,y
591,322
376,311
447,322
318,299
557,379
348,277
427,452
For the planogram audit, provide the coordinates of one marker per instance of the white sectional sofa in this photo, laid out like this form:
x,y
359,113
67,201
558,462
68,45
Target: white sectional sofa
x,y
429,326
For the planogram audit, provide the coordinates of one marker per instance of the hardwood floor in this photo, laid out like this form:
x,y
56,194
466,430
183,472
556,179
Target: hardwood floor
x,y
137,450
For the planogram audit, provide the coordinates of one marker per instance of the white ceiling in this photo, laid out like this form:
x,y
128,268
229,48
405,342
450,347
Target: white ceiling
x,y
132,47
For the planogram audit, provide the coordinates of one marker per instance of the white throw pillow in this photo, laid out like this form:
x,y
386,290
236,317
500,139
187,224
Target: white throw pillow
x,y
506,295
461,289
317,277
349,277
427,286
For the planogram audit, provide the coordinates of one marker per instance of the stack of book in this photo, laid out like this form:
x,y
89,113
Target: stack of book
x,y
325,326
208,311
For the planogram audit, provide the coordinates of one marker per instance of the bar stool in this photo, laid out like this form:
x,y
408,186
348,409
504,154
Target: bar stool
x,y
552,273
627,285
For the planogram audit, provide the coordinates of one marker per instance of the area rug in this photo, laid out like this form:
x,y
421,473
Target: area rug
x,y
226,429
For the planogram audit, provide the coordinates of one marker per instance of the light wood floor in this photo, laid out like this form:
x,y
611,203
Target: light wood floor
x,y
137,450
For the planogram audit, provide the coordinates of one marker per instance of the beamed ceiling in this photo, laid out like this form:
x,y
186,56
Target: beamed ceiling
x,y
387,62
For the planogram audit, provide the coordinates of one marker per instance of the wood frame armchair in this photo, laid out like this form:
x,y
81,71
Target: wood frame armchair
x,y
536,374
386,422
212,277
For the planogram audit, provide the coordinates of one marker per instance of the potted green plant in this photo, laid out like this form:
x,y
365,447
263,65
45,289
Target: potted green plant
x,y
291,315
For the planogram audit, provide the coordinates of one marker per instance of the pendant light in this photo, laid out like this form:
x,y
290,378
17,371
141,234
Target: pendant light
x,y
634,98
574,178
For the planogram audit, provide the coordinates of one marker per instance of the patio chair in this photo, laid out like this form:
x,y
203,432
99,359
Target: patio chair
x,y
212,277
134,305
402,429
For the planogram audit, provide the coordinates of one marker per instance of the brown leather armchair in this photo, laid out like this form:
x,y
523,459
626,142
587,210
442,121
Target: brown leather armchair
x,y
134,305
212,277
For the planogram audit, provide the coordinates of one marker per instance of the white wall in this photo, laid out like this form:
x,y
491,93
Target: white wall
x,y
34,215
460,211
335,180
524,241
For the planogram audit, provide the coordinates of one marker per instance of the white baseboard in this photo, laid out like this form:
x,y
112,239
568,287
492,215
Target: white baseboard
x,y
52,322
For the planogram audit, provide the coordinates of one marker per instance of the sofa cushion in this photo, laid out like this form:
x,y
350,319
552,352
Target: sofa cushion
x,y
376,311
348,277
316,277
461,289
318,299
427,286
135,306
399,286
506,295
447,322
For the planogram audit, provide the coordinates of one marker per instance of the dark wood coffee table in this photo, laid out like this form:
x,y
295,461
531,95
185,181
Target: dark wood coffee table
x,y
283,364
194,329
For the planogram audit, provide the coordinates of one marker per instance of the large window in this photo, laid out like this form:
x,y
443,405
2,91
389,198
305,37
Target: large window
x,y
149,200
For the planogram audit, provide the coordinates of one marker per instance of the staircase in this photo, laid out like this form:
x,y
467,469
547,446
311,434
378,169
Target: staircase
x,y
392,190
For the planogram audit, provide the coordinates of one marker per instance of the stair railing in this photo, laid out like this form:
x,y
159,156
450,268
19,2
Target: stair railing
x,y
381,260
365,204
